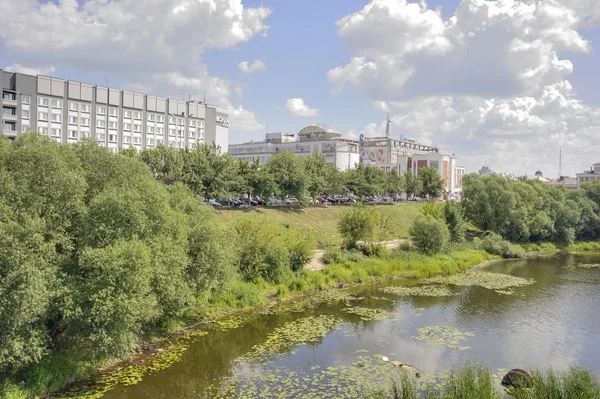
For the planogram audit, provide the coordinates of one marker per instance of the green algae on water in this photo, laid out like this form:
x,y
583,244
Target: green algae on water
x,y
443,337
368,314
491,281
425,290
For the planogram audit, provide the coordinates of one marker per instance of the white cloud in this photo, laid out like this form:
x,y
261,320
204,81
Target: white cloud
x,y
487,83
30,71
488,48
380,105
297,107
256,66
242,120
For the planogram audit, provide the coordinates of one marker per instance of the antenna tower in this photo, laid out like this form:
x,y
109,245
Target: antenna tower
x,y
387,126
560,162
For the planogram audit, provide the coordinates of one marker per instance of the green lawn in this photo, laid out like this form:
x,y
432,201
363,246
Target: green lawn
x,y
322,222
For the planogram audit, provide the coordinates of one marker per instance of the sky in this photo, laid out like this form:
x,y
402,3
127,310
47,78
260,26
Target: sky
x,y
503,82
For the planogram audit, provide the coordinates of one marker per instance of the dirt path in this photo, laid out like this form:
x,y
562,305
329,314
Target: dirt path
x,y
317,264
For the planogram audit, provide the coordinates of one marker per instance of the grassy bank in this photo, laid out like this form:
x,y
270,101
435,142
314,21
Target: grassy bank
x,y
321,222
475,381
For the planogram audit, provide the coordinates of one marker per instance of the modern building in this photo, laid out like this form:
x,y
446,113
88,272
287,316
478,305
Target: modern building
x,y
565,181
69,110
588,176
405,154
313,139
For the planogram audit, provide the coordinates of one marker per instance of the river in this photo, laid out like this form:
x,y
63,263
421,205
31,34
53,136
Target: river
x,y
554,321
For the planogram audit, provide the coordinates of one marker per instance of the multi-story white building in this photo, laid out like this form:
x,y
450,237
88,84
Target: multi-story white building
x,y
68,111
319,139
588,176
404,155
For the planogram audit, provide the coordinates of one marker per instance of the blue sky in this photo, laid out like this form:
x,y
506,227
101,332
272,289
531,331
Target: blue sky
x,y
515,109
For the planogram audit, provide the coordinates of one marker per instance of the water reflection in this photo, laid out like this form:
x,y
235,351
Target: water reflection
x,y
554,321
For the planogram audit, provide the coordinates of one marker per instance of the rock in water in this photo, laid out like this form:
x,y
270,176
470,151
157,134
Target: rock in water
x,y
396,363
517,378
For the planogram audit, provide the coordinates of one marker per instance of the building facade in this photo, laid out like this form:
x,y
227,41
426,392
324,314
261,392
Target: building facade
x,y
404,155
69,111
313,139
588,176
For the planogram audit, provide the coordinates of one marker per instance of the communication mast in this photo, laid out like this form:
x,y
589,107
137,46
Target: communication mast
x,y
560,162
387,126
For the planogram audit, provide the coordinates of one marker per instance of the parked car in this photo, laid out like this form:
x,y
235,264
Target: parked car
x,y
258,201
418,199
322,200
212,203
274,202
290,201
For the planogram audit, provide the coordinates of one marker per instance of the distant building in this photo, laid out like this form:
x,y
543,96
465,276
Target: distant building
x,y
540,176
588,176
565,181
404,155
313,139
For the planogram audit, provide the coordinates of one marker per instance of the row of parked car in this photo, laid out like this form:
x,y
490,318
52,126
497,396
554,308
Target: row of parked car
x,y
241,202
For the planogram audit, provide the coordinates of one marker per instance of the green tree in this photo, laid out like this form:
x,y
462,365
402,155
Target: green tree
x,y
315,172
411,184
430,182
366,181
395,182
430,235
361,224
288,172
455,221
335,181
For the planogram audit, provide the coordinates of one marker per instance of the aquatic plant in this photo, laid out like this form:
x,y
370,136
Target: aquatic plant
x,y
425,290
443,337
368,314
491,281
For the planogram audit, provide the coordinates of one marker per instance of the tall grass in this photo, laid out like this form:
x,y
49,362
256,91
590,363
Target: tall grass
x,y
475,381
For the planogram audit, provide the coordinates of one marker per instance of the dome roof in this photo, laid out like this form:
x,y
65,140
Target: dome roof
x,y
539,173
319,129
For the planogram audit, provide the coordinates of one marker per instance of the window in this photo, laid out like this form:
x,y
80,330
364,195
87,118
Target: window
x,y
137,115
180,121
9,96
112,125
112,138
56,118
85,121
101,136
101,110
56,104
150,142
85,108
171,132
160,118
151,117
9,111
72,120
151,129
127,139
100,123
127,114
192,145
24,128
192,134
172,120
193,123
113,112
171,143
73,106
43,116
9,126
137,140
55,132
159,142
127,126
25,99
180,133
43,101
160,130
72,134
43,130
137,128
85,135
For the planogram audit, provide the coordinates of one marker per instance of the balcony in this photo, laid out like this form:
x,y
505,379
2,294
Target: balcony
x,y
9,98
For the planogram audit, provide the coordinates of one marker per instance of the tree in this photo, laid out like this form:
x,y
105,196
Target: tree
x,y
395,182
411,184
429,234
361,223
335,181
288,172
431,182
455,221
366,181
314,169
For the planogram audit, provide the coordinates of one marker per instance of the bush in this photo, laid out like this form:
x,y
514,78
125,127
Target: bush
x,y
333,255
429,234
361,223
453,214
496,245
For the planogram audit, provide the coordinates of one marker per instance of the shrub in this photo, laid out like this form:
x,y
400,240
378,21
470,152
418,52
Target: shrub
x,y
496,245
453,214
361,223
429,235
333,255
374,249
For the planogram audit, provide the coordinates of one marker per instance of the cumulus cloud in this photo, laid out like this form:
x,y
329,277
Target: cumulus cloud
x,y
297,107
154,45
30,71
380,105
487,83
243,120
256,66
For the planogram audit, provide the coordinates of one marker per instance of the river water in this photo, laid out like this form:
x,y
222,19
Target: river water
x,y
554,321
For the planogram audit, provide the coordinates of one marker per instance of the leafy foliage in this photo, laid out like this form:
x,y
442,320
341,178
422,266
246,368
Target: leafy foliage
x,y
361,224
430,182
457,226
430,235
